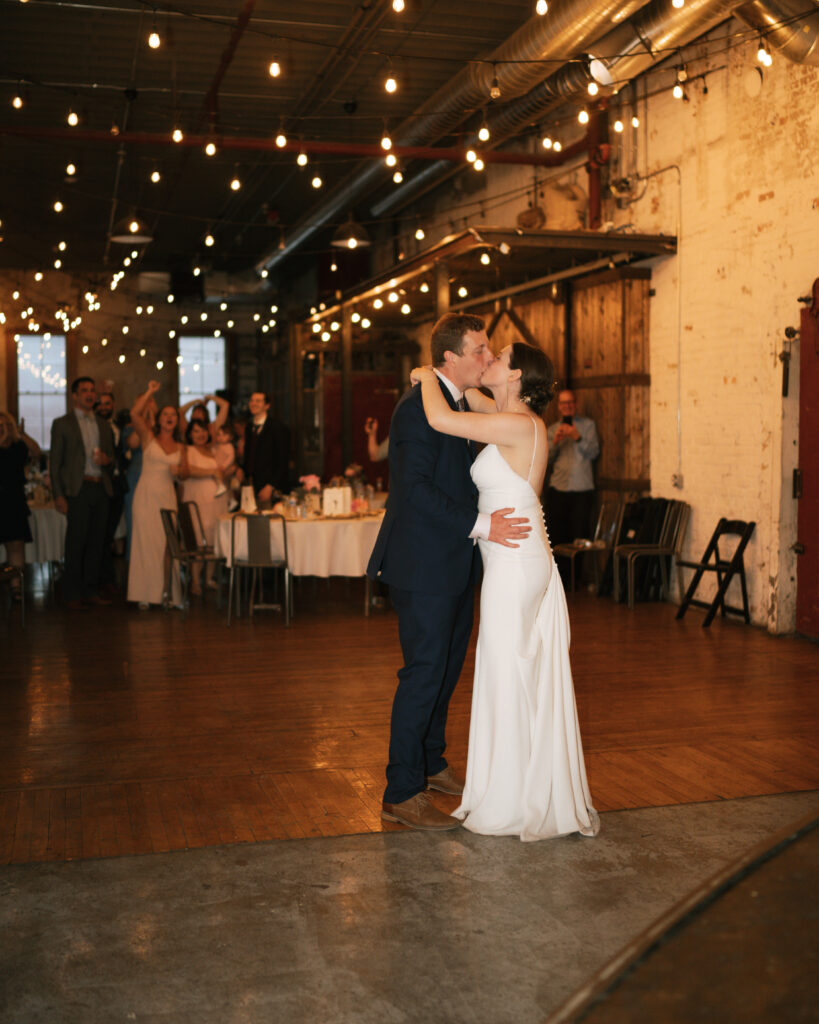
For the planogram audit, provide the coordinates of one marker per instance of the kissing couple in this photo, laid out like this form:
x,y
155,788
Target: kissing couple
x,y
450,514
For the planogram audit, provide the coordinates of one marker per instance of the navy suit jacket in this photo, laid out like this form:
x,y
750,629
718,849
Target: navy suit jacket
x,y
423,544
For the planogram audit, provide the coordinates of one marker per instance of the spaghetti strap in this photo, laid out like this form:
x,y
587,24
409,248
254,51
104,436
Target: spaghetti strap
x,y
534,450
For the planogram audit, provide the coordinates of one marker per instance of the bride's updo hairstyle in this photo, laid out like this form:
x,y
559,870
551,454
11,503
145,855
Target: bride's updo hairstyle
x,y
537,375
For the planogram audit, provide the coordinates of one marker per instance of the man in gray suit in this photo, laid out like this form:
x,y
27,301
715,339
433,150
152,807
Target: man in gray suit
x,y
82,456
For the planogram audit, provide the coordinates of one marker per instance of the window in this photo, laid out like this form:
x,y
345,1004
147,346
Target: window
x,y
41,383
201,366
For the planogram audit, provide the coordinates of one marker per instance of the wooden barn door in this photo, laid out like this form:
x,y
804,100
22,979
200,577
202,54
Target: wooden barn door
x,y
609,372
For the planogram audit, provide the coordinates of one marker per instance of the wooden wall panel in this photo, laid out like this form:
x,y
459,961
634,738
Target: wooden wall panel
x,y
597,330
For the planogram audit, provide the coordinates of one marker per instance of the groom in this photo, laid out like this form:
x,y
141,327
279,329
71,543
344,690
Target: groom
x,y
427,553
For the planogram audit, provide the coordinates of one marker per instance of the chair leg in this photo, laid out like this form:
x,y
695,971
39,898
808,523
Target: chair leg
x,y
745,608
572,571
616,576
630,581
286,596
230,593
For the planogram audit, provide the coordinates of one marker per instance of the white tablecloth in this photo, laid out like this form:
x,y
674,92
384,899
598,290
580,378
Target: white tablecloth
x,y
48,531
315,547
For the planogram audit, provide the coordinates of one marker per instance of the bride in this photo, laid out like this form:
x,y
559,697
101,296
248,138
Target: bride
x,y
525,773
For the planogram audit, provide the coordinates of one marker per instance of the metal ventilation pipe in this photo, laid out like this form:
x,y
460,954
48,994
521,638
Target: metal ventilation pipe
x,y
569,28
626,50
787,26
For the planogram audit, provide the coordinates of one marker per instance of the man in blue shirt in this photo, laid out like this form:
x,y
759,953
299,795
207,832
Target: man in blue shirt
x,y
573,447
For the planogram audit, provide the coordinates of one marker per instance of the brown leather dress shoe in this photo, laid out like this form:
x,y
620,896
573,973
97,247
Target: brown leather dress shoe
x,y
446,781
419,812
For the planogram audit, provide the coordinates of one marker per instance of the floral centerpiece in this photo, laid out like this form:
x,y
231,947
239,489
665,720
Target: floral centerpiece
x,y
309,492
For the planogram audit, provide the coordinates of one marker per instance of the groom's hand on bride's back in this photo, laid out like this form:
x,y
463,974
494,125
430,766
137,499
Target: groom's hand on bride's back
x,y
506,530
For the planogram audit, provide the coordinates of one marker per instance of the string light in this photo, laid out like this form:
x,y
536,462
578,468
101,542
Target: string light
x,y
678,3
235,183
419,233
471,156
159,364
424,287
17,101
386,141
463,292
316,182
494,89
153,39
210,148
479,164
541,7
177,135
557,146
618,125
677,92
378,303
301,159
156,177
365,323
485,259
390,84
635,121
546,142
209,239
398,176
73,119
62,246
275,68
763,54
583,116
281,139
593,88
483,131
398,6
406,309
355,317
390,159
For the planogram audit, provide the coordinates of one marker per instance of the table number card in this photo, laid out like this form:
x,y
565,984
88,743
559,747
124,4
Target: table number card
x,y
337,501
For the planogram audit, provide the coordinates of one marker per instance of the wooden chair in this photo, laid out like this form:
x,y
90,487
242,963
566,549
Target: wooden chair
x,y
258,558
725,568
605,534
669,545
8,574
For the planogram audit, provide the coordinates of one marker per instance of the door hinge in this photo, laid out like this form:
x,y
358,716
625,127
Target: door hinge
x,y
797,483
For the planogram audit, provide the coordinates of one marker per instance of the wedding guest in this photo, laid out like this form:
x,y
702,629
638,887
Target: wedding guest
x,y
267,451
199,411
82,452
376,450
119,482
164,459
16,447
132,452
204,485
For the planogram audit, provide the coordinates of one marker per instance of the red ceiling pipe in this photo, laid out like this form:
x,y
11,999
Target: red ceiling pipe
x,y
599,154
357,149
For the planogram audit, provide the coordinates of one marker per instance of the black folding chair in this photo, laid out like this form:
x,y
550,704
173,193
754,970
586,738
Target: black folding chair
x,y
192,536
259,558
725,568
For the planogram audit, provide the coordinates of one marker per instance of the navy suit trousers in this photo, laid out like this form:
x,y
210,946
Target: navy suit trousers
x,y
434,631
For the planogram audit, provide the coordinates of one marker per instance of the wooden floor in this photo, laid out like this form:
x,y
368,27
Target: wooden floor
x,y
132,732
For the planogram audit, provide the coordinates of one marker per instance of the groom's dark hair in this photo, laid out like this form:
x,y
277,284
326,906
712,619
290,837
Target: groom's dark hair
x,y
448,334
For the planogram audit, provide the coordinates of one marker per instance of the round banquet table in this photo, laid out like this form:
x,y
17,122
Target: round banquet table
x,y
333,546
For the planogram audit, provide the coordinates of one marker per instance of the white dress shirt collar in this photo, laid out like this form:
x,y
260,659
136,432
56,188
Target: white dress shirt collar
x,y
451,388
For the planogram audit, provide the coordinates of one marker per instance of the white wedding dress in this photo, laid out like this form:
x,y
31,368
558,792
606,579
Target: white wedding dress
x,y
525,773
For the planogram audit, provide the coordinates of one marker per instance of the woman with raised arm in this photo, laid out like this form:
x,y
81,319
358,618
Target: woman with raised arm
x,y
525,773
164,461
199,414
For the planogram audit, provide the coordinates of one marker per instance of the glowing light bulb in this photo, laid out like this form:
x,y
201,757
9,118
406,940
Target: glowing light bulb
x,y
281,140
378,303
593,88
462,291
122,358
210,149
17,102
356,317
541,7
618,125
406,309
142,353
398,177
352,243
155,176
38,276
471,156
58,206
235,184
390,159
62,246
635,122
583,117
154,41
275,69
557,147
316,182
424,287
398,6
209,240
159,364
301,159
485,259
85,350
57,264
73,119
104,342
483,133
177,135
419,234
479,164
677,91
678,3
546,142
390,85
386,142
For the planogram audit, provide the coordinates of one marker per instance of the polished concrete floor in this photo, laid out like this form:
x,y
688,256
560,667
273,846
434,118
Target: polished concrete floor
x,y
383,928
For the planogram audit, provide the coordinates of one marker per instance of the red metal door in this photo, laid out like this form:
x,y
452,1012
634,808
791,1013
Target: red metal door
x,y
807,586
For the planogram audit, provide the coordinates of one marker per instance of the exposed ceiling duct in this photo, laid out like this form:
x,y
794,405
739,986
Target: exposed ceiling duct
x,y
569,29
788,26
